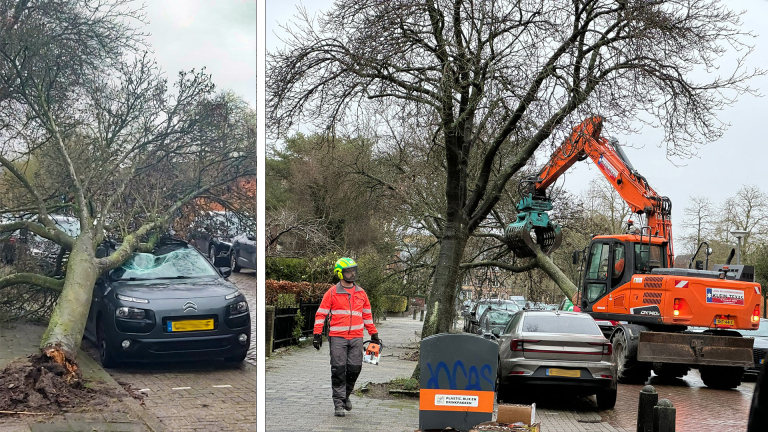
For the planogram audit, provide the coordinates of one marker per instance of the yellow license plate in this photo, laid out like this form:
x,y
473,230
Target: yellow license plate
x,y
729,322
190,325
564,373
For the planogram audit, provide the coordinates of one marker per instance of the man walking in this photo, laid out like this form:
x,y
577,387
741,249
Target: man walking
x,y
350,311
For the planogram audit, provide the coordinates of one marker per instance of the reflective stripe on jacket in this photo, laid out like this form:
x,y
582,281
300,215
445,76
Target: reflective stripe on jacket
x,y
349,313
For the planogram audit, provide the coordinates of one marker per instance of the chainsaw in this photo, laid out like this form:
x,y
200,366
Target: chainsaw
x,y
372,352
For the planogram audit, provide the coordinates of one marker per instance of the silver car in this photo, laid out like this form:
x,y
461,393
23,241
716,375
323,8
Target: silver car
x,y
561,349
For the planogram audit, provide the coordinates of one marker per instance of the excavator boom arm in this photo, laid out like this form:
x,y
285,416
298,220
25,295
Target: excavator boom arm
x,y
585,142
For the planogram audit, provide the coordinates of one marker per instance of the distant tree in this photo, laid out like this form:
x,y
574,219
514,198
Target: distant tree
x,y
699,220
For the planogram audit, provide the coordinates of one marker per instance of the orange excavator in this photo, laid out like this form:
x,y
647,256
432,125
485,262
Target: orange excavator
x,y
629,281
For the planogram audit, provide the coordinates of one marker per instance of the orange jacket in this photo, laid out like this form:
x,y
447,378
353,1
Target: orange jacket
x,y
349,313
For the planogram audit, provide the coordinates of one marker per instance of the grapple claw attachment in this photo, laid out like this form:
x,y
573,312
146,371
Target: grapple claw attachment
x,y
532,227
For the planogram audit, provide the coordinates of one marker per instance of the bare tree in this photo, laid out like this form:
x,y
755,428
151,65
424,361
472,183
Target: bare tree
x,y
491,81
123,151
700,220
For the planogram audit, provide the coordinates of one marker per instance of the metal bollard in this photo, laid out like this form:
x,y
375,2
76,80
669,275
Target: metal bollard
x,y
664,416
421,316
648,399
415,311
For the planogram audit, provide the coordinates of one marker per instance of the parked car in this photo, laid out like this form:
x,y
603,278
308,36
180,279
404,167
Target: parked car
x,y
492,319
213,233
243,253
759,346
565,350
482,305
42,250
171,304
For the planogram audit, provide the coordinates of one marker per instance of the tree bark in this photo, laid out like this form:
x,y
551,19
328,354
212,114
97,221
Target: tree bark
x,y
443,290
548,266
67,324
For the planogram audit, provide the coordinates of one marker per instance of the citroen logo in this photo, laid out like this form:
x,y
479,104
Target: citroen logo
x,y
190,306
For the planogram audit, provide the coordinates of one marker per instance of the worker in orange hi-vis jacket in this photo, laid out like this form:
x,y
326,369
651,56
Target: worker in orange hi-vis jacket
x,y
350,311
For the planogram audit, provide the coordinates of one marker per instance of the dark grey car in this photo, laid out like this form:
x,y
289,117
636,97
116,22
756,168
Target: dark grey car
x,y
171,304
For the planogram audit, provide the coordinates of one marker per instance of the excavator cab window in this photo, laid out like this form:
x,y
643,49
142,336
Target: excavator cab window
x,y
618,264
597,272
648,257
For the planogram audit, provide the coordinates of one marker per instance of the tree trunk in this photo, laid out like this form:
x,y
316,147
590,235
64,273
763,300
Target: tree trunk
x,y
67,324
443,293
553,271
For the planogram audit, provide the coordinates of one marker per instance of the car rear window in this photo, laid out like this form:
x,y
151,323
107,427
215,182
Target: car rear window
x,y
552,323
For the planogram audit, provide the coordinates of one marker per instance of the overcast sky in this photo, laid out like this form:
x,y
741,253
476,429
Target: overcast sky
x,y
217,34
740,157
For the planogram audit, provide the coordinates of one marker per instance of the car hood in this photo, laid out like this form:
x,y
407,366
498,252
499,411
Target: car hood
x,y
187,288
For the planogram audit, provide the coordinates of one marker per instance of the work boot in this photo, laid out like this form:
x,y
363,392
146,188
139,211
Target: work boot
x,y
339,412
348,405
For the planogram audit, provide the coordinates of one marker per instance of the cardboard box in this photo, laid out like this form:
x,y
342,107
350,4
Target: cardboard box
x,y
508,415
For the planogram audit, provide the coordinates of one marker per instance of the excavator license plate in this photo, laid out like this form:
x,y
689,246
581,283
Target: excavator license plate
x,y
723,321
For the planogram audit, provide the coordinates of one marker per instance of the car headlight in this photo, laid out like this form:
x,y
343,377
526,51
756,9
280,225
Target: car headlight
x,y
130,313
238,308
131,299
233,295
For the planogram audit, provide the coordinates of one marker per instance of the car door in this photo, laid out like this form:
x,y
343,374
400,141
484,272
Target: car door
x,y
249,250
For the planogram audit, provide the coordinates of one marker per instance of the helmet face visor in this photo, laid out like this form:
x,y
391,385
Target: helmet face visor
x,y
349,274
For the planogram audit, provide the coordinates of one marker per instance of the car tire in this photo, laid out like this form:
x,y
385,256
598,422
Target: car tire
x,y
502,391
721,377
606,398
212,254
628,369
236,359
106,355
233,261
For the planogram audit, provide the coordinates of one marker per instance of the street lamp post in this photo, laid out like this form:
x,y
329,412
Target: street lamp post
x,y
739,234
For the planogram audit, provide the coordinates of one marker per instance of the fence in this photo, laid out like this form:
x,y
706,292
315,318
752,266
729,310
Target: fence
x,y
285,321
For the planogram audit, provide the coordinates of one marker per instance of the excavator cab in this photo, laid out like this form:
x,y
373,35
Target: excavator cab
x,y
613,260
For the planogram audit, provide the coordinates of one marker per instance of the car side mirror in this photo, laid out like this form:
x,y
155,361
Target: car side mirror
x,y
225,271
496,332
251,238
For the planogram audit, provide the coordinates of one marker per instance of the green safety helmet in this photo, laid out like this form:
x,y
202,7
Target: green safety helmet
x,y
343,264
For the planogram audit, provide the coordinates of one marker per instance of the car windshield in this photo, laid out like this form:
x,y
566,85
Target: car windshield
x,y
560,323
761,332
177,264
499,317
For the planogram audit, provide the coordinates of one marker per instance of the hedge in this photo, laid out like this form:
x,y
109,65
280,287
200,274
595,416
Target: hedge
x,y
394,303
304,291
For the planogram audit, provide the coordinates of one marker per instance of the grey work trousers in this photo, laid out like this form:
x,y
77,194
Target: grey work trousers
x,y
346,364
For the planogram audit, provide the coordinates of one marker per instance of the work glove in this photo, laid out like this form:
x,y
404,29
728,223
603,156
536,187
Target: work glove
x,y
375,338
317,342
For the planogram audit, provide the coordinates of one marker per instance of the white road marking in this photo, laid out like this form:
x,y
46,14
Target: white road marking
x,y
181,388
221,386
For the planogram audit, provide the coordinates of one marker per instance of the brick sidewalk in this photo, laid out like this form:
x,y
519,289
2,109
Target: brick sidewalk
x,y
298,392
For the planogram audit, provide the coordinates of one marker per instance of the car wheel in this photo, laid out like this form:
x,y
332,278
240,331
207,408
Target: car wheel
x,y
721,377
606,398
236,359
233,261
212,254
106,355
628,369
